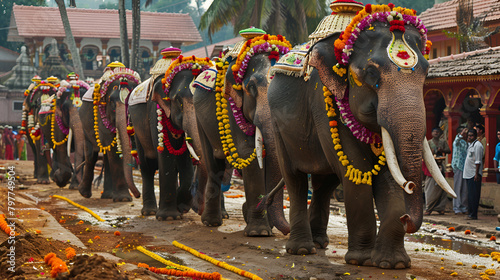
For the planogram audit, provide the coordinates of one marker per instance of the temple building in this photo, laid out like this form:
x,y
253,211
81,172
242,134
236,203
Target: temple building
x,y
462,88
97,35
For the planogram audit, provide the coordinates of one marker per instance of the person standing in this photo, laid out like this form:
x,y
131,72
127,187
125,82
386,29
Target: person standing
x,y
435,196
473,172
457,163
496,159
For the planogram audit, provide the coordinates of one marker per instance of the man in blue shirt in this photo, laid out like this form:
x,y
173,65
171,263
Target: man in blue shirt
x,y
457,163
496,159
473,172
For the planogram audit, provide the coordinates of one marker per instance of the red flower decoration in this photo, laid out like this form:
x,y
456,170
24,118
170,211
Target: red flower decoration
x,y
368,8
195,72
403,55
391,5
266,37
280,37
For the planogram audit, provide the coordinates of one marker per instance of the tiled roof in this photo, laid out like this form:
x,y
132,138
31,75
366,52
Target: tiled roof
x,y
443,15
477,63
200,52
33,21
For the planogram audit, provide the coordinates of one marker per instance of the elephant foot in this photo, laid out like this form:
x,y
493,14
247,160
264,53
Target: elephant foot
x,y
73,186
213,220
300,248
107,195
359,257
43,181
184,201
85,191
225,215
122,197
321,241
397,259
256,231
148,210
165,215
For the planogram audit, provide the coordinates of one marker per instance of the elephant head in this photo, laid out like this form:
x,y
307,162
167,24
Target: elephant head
x,y
114,90
376,71
246,82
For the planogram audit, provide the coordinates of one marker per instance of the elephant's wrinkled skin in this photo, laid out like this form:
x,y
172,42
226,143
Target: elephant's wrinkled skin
x,y
253,101
118,170
174,201
386,98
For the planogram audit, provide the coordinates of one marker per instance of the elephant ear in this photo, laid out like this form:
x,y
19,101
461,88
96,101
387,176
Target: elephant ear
x,y
322,57
157,89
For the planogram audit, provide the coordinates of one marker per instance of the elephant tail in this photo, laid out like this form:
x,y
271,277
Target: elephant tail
x,y
268,203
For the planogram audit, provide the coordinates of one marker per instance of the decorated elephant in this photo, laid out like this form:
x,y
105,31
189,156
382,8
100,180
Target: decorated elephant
x,y
103,116
160,138
371,136
232,128
38,92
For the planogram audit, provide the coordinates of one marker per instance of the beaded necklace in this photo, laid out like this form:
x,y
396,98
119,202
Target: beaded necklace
x,y
354,175
228,146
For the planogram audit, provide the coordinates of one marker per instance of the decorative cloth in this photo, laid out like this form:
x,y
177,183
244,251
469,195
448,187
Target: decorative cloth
x,y
206,79
292,63
140,94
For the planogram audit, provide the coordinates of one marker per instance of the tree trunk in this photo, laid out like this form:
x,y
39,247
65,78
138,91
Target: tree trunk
x,y
75,54
122,14
136,33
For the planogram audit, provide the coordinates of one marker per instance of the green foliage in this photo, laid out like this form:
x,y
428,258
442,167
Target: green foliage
x,y
5,14
419,6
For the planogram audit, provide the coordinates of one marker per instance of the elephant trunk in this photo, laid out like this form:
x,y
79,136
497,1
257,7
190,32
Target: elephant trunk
x,y
273,176
122,135
406,132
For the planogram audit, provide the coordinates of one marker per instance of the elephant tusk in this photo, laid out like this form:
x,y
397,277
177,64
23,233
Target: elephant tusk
x,y
433,168
191,150
258,147
392,163
70,138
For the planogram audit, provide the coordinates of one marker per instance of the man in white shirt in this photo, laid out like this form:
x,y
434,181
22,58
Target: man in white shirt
x,y
473,172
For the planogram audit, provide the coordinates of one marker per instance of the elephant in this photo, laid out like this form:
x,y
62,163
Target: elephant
x,y
160,139
34,95
104,124
235,135
371,83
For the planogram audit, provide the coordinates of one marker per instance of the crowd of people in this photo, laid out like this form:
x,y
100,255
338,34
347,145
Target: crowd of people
x,y
467,164
12,144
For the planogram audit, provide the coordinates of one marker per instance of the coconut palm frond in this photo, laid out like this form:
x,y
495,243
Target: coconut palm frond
x,y
219,14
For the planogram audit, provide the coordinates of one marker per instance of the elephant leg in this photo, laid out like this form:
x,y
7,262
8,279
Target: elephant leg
x,y
226,183
361,222
319,210
389,250
107,192
120,189
186,173
212,215
148,168
168,187
85,186
43,165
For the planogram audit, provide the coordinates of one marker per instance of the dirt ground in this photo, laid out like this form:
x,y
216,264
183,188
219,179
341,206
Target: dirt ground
x,y
48,224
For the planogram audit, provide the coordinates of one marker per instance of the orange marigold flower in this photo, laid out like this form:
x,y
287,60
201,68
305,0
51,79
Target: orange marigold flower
x,y
117,233
70,253
451,229
493,238
38,231
62,221
97,237
467,232
80,222
143,265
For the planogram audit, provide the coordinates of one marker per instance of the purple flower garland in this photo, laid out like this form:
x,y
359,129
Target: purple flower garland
x,y
247,127
64,129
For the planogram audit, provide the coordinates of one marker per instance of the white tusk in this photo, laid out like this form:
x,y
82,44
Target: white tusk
x,y
258,147
191,150
392,163
68,144
433,168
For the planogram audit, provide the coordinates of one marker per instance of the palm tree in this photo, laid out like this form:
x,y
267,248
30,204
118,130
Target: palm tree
x,y
136,32
122,14
75,54
286,17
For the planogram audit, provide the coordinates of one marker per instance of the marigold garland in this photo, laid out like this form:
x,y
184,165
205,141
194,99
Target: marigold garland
x,y
228,145
57,265
178,273
52,129
4,225
275,44
182,63
355,175
79,206
97,99
216,262
162,260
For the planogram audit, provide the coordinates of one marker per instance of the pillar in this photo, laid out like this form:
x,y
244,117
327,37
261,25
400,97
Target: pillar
x,y
490,131
104,51
156,52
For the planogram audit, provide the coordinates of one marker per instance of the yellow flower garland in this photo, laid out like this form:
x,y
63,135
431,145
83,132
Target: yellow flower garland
x,y
224,127
52,123
216,262
162,260
355,175
79,206
97,99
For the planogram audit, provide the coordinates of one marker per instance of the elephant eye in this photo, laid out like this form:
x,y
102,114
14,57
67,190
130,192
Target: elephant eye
x,y
372,75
